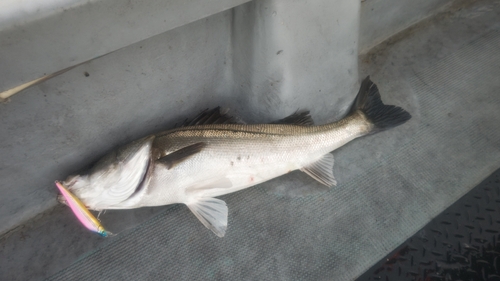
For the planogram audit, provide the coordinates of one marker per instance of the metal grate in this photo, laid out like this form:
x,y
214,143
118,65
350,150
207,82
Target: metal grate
x,y
462,243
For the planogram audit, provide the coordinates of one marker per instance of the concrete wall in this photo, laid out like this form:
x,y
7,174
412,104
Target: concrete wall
x,y
42,37
380,19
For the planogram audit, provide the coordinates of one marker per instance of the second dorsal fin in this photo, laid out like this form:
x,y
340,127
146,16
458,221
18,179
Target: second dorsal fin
x,y
298,118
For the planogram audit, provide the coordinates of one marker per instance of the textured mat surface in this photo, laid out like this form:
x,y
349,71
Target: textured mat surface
x,y
462,243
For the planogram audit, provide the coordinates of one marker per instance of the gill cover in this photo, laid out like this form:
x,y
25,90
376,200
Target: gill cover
x,y
115,177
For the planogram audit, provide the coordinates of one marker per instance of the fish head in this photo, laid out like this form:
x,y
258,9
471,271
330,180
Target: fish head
x,y
114,178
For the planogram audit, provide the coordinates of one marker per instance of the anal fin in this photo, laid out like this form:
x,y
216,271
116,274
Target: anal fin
x,y
212,213
322,170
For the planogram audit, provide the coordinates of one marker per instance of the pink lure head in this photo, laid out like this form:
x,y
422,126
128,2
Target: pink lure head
x,y
81,212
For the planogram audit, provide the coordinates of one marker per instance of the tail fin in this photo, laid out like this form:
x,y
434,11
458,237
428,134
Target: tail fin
x,y
382,116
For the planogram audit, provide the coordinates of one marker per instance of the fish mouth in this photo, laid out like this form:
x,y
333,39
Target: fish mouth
x,y
62,200
70,181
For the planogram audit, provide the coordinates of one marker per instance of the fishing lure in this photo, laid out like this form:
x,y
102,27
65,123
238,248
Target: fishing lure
x,y
82,213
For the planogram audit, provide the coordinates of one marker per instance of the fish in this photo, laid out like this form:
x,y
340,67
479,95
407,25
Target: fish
x,y
81,212
215,154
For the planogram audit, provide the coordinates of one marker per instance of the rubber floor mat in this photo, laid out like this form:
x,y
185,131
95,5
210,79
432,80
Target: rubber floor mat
x,y
462,243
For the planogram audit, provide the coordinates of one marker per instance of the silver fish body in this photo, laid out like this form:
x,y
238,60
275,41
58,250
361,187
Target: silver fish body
x,y
212,156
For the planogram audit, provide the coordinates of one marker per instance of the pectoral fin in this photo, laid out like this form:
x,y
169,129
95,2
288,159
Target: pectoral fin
x,y
322,170
212,213
180,155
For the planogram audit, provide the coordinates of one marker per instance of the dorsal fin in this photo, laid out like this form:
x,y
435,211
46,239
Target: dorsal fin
x,y
180,155
212,116
298,118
